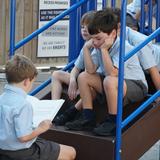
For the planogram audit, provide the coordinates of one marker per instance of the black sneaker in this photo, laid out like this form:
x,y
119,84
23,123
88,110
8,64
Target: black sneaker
x,y
107,128
81,124
68,115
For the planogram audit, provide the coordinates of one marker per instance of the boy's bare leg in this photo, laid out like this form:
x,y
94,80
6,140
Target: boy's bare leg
x,y
108,127
111,90
78,105
86,82
58,78
66,153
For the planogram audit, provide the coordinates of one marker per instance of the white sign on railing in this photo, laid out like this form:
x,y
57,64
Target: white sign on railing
x,y
54,42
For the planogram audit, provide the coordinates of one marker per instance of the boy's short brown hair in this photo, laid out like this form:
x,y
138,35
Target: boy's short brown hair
x,y
20,68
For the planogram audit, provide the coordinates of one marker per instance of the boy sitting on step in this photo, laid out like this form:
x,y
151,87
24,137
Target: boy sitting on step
x,y
103,30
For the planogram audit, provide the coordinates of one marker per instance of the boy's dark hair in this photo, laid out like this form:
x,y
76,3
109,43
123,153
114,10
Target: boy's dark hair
x,y
20,68
117,12
104,21
87,17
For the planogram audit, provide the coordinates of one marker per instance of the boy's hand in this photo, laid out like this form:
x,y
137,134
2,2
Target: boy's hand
x,y
88,44
108,42
72,89
45,125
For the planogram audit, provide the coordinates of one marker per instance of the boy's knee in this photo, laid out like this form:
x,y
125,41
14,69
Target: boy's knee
x,y
67,153
82,77
56,75
72,154
109,82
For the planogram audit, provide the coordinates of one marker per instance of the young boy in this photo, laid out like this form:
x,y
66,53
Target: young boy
x,y
18,140
103,29
61,77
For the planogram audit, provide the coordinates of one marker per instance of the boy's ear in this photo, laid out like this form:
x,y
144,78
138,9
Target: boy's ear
x,y
114,33
26,81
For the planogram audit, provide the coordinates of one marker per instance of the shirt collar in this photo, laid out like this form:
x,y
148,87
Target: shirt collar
x,y
15,89
114,44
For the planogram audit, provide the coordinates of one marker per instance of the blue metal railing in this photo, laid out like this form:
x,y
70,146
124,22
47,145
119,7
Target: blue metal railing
x,y
12,27
140,109
47,82
38,31
120,81
122,59
158,18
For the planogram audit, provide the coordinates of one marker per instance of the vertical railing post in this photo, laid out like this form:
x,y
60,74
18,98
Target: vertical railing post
x,y
92,4
158,19
104,4
142,18
12,26
120,81
150,15
73,30
113,3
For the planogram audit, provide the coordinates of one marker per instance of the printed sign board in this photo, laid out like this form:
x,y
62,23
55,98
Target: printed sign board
x,y
99,4
54,42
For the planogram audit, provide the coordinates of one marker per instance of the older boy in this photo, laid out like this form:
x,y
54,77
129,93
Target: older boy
x,y
106,56
18,139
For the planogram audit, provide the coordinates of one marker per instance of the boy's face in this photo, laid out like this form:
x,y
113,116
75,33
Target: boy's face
x,y
84,32
100,38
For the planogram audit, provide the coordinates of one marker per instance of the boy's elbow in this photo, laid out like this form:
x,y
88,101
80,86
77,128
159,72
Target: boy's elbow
x,y
91,71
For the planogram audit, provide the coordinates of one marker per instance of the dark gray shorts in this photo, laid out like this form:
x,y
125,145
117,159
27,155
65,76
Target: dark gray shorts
x,y
40,150
136,91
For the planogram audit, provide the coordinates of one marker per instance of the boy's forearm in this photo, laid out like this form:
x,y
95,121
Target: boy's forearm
x,y
31,136
109,68
74,73
89,65
155,75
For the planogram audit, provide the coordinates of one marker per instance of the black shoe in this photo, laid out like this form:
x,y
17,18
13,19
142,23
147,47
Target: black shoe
x,y
81,124
107,128
68,115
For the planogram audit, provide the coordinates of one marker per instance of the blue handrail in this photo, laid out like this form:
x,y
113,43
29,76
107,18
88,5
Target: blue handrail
x,y
49,24
140,109
122,59
141,45
47,82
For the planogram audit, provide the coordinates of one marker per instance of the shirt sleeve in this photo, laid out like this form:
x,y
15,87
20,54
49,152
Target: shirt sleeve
x,y
23,120
145,55
79,63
